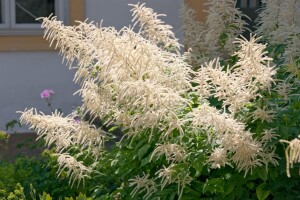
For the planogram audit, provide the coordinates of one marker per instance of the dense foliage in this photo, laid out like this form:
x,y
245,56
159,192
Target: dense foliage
x,y
38,175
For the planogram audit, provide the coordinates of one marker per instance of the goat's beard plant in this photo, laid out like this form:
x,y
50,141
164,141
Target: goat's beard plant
x,y
140,82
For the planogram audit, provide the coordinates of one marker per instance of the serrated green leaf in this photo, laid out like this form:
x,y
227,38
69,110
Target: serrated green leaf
x,y
261,192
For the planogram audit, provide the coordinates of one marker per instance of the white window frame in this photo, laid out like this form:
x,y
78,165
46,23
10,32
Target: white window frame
x,y
10,27
5,14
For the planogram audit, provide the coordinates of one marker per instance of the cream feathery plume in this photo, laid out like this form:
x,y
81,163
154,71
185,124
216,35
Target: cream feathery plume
x,y
267,21
288,14
278,20
169,175
292,51
223,18
287,22
76,170
254,66
263,114
224,85
72,44
55,129
231,137
172,152
237,85
292,154
63,132
153,28
284,88
126,78
215,36
193,30
99,54
143,184
268,155
136,105
291,55
218,158
268,135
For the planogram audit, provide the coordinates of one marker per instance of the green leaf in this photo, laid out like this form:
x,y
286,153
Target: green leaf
x,y
214,185
163,194
82,197
143,150
261,192
145,161
263,174
113,128
45,196
250,185
228,188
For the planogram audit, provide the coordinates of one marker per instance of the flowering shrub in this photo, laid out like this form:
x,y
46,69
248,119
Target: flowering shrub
x,y
190,128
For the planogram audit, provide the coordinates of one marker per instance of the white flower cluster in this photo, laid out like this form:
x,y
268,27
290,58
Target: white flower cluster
x,y
279,23
64,132
239,84
215,36
268,17
292,153
153,28
193,31
278,20
143,184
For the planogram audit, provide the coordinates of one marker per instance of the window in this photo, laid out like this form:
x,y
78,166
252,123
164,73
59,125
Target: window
x,y
248,4
249,7
19,16
19,30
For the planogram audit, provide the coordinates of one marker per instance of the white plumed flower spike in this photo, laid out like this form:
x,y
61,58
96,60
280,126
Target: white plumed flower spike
x,y
215,36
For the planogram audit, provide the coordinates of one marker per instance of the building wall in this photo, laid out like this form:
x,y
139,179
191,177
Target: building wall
x,y
23,75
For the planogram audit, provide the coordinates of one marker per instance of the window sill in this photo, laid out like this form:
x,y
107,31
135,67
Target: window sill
x,y
24,43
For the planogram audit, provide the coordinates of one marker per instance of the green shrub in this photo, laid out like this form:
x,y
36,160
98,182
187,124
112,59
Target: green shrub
x,y
40,173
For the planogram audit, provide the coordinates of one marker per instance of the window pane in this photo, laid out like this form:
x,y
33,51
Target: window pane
x,y
28,10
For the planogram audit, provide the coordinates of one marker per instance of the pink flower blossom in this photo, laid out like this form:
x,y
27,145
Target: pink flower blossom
x,y
47,93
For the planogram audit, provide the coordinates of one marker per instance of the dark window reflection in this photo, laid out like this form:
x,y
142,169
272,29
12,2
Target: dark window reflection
x,y
249,7
28,10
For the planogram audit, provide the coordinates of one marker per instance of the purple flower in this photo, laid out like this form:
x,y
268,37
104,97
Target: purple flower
x,y
77,120
47,93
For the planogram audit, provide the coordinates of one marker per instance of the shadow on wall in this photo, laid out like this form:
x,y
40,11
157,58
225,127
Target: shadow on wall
x,y
20,144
